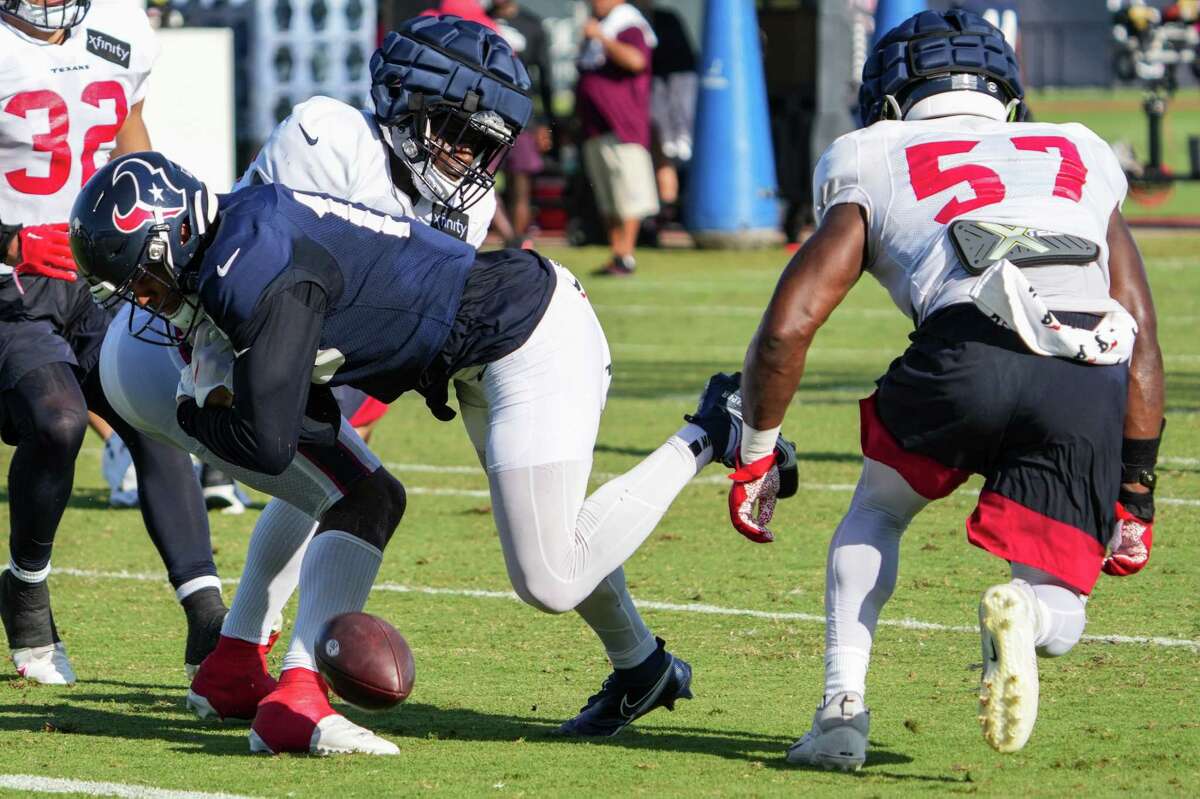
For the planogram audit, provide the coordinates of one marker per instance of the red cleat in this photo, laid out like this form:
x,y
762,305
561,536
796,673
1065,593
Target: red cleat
x,y
297,717
231,681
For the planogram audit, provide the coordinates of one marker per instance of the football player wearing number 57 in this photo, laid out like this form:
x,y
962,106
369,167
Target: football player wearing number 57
x,y
73,77
1034,363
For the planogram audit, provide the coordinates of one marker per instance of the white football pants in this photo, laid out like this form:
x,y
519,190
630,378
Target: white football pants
x,y
533,417
860,577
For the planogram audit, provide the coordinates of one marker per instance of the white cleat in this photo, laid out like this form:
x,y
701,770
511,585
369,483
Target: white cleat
x,y
47,665
1008,689
336,735
838,738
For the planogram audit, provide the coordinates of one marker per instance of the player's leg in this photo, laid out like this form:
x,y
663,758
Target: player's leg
x,y
45,417
860,575
1048,509
533,417
234,678
173,510
336,575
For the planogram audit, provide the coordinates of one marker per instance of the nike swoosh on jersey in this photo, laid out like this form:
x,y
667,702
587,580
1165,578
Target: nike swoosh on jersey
x,y
312,140
223,269
630,711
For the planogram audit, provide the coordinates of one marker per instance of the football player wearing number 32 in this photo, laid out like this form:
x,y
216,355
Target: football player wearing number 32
x,y
73,76
1034,363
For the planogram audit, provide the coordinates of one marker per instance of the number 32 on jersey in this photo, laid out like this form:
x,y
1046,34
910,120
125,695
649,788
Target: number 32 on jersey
x,y
928,177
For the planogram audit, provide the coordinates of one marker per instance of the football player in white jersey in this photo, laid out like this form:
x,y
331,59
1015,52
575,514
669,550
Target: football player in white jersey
x,y
379,159
1034,362
73,78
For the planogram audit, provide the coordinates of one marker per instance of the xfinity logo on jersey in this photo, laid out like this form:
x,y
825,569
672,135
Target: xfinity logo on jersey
x,y
456,223
165,201
108,48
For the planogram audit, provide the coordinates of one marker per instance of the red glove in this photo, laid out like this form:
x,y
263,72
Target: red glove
x,y
1129,549
756,482
46,252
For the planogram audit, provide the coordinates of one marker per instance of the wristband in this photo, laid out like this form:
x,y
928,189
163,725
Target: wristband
x,y
1139,457
757,444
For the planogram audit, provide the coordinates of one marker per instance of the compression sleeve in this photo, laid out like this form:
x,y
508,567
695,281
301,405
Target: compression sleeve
x,y
270,385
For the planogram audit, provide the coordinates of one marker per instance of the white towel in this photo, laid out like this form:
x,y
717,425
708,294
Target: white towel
x,y
621,18
1004,294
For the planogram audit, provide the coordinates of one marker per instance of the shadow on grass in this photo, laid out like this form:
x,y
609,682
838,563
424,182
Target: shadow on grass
x,y
156,712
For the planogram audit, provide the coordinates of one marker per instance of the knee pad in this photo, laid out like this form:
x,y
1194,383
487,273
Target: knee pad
x,y
371,510
546,598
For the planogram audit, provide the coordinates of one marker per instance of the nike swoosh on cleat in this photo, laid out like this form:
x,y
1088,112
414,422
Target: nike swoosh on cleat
x,y
312,140
631,712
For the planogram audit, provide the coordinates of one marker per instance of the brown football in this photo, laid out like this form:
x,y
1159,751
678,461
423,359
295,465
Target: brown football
x,y
365,661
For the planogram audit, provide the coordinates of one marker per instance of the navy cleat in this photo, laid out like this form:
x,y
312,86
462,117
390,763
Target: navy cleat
x,y
720,414
621,701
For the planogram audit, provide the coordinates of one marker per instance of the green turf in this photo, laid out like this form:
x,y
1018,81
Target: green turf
x,y
493,676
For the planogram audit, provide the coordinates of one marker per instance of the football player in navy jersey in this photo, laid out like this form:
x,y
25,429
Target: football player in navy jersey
x,y
313,292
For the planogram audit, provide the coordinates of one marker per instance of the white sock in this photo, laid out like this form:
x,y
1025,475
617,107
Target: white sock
x,y
271,572
336,577
610,612
860,573
31,577
192,586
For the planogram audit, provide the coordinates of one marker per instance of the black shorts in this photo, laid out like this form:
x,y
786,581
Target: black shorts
x,y
968,397
54,322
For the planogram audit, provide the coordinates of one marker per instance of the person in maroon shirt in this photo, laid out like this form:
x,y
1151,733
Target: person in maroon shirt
x,y
613,103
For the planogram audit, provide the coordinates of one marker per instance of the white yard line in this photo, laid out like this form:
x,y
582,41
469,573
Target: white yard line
x,y
709,480
30,783
675,607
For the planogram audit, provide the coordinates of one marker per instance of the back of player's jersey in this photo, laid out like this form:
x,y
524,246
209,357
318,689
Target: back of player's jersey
x,y
915,178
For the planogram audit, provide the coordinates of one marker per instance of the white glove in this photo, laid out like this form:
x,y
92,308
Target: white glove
x,y
211,366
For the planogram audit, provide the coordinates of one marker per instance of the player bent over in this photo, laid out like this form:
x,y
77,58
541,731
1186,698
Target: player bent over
x,y
309,287
1005,244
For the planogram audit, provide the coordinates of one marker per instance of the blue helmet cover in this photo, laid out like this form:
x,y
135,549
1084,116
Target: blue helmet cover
x,y
446,59
933,52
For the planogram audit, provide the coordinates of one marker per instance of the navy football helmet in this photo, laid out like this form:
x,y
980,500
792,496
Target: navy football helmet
x,y
142,215
933,52
47,17
452,96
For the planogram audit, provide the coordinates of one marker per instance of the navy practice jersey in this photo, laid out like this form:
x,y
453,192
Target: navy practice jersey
x,y
392,285
315,290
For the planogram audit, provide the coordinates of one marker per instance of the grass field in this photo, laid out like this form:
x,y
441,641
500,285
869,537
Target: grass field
x,y
494,677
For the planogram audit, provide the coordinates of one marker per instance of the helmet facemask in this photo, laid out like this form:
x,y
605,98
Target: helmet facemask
x,y
170,320
45,16
453,153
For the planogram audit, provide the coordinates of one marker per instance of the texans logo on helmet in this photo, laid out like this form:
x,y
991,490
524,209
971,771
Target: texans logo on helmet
x,y
166,201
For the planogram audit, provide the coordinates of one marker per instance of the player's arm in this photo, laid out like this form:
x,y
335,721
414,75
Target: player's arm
x,y
814,283
271,377
133,136
1144,404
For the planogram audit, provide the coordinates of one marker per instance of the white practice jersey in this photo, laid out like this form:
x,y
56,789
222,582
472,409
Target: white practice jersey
x,y
61,106
329,147
914,178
